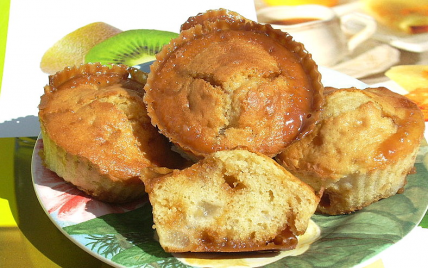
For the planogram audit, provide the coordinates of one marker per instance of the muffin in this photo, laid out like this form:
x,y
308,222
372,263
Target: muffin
x,y
228,82
96,132
361,150
231,201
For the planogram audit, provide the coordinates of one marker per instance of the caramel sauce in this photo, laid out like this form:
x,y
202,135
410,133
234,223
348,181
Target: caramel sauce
x,y
409,123
293,21
251,259
401,142
286,240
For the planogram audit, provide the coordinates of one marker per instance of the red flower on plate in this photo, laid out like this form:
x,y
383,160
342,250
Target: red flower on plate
x,y
65,200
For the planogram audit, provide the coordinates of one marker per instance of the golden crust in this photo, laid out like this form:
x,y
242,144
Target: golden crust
x,y
97,133
200,208
213,16
366,137
226,83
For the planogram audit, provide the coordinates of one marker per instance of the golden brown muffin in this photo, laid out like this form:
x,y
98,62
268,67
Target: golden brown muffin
x,y
361,150
96,131
230,201
229,82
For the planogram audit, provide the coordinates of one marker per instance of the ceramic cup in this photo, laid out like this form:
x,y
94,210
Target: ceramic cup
x,y
326,36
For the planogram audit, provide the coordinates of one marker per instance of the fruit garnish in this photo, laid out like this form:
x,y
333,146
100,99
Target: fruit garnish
x,y
410,77
130,47
72,48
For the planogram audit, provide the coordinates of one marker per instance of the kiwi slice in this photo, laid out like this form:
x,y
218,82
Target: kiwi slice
x,y
130,47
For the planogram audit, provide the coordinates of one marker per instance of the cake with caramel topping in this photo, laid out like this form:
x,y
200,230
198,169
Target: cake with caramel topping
x,y
361,150
96,131
231,201
228,82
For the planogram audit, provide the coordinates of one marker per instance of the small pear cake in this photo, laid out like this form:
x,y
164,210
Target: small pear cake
x,y
228,82
96,132
360,151
231,201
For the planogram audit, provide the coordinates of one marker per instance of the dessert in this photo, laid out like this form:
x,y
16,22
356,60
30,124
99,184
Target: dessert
x,y
96,131
406,16
228,82
230,201
361,150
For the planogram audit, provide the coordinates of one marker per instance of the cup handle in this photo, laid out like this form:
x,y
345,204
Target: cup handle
x,y
360,27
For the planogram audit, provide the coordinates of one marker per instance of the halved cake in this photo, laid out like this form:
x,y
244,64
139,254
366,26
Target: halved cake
x,y
96,131
230,201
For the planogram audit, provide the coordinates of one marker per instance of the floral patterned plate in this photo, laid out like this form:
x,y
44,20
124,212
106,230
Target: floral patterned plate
x,y
122,235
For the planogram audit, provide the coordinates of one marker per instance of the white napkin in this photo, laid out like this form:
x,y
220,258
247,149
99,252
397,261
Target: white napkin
x,y
373,61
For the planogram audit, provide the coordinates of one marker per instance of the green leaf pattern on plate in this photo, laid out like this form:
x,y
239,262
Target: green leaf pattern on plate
x,y
346,240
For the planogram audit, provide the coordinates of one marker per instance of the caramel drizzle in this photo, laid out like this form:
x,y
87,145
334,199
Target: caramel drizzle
x,y
401,142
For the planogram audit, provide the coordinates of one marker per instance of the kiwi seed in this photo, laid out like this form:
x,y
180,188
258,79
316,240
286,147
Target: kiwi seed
x,y
130,47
